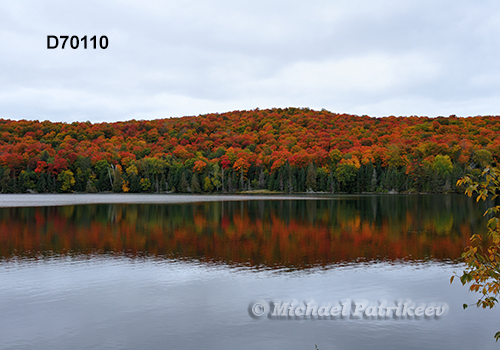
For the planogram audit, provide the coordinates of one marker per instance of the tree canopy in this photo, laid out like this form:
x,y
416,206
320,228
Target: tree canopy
x,y
290,150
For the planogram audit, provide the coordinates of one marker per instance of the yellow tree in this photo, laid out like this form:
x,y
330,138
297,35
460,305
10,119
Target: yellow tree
x,y
483,265
67,180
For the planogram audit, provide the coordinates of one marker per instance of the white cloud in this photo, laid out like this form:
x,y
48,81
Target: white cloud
x,y
174,58
372,73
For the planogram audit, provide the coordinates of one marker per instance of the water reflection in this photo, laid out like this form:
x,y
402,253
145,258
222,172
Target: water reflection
x,y
271,234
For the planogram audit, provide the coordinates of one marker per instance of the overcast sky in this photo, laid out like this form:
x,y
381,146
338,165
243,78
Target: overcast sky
x,y
176,58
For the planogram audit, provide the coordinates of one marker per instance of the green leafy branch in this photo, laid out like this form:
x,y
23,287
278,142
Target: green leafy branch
x,y
483,265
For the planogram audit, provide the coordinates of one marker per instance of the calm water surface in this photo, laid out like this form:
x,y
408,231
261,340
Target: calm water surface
x,y
181,275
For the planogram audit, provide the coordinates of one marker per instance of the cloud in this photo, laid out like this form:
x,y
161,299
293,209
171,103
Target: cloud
x,y
174,58
373,73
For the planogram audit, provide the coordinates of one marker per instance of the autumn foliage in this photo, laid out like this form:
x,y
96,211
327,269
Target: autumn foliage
x,y
288,150
261,234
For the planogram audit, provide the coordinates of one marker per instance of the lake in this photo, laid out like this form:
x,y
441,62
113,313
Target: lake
x,y
183,272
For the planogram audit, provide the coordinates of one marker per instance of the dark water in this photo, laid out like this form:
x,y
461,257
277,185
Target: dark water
x,y
181,276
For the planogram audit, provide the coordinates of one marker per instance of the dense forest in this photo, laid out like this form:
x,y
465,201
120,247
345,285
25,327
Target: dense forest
x,y
285,150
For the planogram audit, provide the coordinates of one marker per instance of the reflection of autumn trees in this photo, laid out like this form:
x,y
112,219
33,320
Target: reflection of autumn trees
x,y
271,233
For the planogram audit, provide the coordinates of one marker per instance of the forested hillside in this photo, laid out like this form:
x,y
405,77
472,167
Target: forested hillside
x,y
289,150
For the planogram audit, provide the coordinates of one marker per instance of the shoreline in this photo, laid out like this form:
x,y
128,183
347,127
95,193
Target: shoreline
x,y
61,199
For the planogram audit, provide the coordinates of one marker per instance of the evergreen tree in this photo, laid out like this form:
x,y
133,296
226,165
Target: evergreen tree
x,y
163,182
41,184
294,184
287,177
365,173
135,186
83,172
51,184
27,180
331,182
242,180
229,182
183,184
270,183
195,184
103,178
234,182
222,172
322,180
374,180
262,180
311,177
6,182
302,180
117,179
15,187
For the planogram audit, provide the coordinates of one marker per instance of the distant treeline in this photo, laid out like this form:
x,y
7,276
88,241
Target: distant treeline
x,y
289,150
